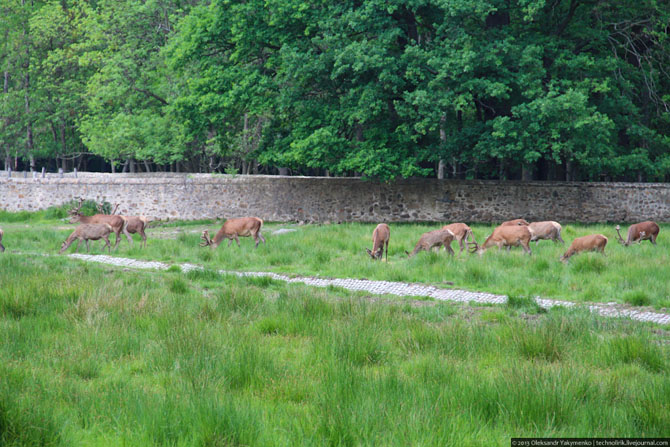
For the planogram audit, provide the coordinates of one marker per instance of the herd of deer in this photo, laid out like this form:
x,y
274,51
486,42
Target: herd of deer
x,y
100,226
510,234
517,232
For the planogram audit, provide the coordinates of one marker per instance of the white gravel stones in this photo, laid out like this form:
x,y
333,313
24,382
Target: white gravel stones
x,y
395,288
284,231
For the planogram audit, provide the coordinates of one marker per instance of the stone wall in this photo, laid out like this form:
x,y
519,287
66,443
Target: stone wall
x,y
321,199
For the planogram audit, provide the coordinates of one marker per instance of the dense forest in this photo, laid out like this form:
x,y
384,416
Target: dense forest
x,y
486,89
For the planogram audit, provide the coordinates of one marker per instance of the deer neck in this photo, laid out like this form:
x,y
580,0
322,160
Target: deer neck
x,y
218,238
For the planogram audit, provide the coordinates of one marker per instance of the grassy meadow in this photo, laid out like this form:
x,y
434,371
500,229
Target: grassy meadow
x,y
636,275
101,356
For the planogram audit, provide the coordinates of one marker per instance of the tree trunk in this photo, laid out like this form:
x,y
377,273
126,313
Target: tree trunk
x,y
283,171
526,172
146,166
569,173
443,143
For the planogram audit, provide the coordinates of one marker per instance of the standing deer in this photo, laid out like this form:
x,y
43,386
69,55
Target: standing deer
x,y
232,228
380,236
435,238
505,236
86,232
639,232
592,242
2,247
118,223
545,230
514,222
136,224
461,233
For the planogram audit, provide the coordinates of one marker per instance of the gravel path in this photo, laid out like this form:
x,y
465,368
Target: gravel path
x,y
396,288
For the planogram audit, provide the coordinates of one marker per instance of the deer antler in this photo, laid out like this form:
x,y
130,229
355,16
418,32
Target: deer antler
x,y
75,211
474,248
619,238
205,237
115,208
100,206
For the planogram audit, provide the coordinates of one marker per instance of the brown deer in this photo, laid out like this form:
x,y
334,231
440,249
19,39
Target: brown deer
x,y
592,242
380,236
639,232
2,247
431,239
86,232
461,233
514,222
505,236
232,228
118,223
136,224
545,230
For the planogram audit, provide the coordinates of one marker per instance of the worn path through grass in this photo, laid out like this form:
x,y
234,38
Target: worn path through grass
x,y
396,288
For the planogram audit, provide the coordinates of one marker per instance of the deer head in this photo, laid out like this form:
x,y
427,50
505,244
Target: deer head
x,y
75,213
375,255
207,240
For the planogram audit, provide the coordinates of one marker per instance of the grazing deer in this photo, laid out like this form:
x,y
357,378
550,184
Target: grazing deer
x,y
232,228
545,230
118,223
2,247
136,224
514,222
86,232
380,236
592,242
505,236
435,238
461,233
639,232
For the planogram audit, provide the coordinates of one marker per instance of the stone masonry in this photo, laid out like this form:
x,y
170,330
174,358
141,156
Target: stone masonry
x,y
336,199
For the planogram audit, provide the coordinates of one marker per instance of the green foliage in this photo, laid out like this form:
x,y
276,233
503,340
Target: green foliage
x,y
567,90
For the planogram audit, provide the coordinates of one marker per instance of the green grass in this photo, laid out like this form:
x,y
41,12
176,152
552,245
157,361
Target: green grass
x,y
635,275
98,356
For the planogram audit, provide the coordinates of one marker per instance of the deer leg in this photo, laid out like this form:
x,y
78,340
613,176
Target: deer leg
x,y
237,240
257,240
144,239
87,246
387,250
448,248
118,239
652,239
76,249
125,231
527,248
230,241
261,236
107,244
2,248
